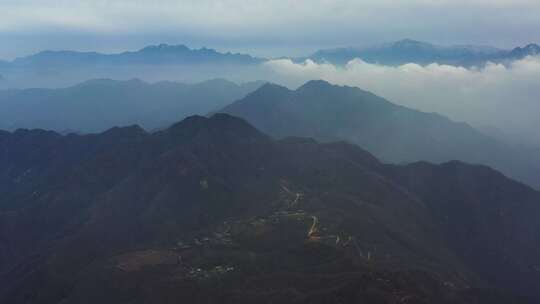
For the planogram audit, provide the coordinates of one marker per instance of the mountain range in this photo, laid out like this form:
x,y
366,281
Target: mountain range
x,y
391,132
125,191
211,210
100,104
423,53
62,68
150,55
393,53
317,109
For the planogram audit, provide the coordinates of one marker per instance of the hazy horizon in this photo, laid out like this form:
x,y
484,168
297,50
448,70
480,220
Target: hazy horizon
x,y
265,51
499,96
253,27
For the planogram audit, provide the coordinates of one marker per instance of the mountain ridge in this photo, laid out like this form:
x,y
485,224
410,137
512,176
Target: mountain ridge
x,y
212,200
98,104
153,54
392,53
423,53
391,132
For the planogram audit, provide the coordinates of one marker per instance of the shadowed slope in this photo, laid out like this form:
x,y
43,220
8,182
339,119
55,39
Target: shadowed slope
x,y
212,210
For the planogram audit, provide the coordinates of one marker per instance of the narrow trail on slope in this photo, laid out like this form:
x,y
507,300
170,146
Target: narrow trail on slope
x,y
314,229
297,195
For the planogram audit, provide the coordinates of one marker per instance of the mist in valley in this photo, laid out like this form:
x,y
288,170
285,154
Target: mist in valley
x,y
265,151
497,99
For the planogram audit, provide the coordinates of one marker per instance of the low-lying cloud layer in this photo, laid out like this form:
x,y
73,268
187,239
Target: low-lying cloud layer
x,y
496,96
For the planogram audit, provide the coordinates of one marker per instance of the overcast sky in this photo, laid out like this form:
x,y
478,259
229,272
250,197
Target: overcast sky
x,y
263,27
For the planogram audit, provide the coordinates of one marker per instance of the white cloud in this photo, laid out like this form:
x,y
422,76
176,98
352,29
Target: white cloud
x,y
495,96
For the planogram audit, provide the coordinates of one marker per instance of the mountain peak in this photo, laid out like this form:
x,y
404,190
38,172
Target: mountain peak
x,y
522,52
270,88
316,84
221,125
164,47
532,48
125,132
408,41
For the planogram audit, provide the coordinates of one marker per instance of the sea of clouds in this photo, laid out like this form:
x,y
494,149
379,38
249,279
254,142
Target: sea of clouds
x,y
503,100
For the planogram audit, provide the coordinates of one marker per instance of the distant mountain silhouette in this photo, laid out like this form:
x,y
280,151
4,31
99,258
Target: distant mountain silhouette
x,y
150,55
423,53
56,69
211,210
394,53
391,132
529,50
97,105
